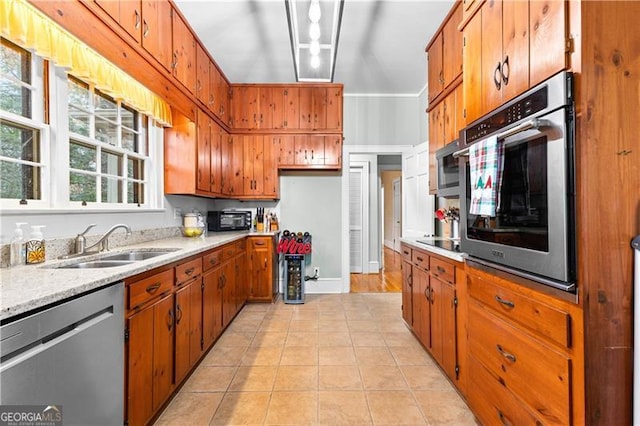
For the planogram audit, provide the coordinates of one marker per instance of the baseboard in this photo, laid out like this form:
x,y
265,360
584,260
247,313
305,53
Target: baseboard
x,y
320,286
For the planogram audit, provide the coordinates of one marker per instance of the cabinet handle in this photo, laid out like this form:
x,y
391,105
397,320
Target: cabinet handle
x,y
503,419
153,288
145,33
220,282
507,303
419,259
431,295
198,86
305,154
178,314
441,77
170,319
410,280
426,294
213,261
174,64
440,269
505,354
137,24
259,243
312,154
505,75
189,271
497,76
265,263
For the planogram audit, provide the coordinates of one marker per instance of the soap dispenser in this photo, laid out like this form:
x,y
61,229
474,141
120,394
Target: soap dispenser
x,y
35,251
17,256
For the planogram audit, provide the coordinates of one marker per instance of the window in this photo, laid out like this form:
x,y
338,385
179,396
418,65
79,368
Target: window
x,y
107,148
22,130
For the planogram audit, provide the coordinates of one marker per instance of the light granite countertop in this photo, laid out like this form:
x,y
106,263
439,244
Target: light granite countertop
x,y
453,255
29,287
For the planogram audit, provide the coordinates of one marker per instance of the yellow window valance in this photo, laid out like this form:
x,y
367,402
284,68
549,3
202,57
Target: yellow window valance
x,y
24,25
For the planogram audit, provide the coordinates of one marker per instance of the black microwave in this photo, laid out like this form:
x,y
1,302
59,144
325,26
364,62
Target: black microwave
x,y
233,220
447,171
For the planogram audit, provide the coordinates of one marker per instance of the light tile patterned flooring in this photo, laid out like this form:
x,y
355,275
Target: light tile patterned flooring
x,y
343,359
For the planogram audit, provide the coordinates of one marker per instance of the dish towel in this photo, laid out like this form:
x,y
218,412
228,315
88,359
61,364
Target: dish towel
x,y
486,160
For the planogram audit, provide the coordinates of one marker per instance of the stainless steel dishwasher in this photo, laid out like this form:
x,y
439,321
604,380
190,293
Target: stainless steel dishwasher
x,y
69,355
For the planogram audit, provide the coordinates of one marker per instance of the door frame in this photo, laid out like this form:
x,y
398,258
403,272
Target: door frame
x,y
397,214
364,209
347,151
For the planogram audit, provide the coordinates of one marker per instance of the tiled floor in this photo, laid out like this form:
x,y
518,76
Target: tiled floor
x,y
336,360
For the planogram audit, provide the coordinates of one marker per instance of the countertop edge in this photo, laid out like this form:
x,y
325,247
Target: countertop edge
x,y
458,257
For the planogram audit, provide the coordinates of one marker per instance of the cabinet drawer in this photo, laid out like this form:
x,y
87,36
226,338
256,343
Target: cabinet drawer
x,y
148,288
544,319
536,373
443,270
211,259
420,259
188,270
241,246
492,402
406,253
259,242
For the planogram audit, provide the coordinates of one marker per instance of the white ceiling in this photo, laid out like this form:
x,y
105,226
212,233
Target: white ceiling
x,y
381,47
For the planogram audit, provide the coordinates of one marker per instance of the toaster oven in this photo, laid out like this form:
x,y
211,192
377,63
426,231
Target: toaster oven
x,y
232,220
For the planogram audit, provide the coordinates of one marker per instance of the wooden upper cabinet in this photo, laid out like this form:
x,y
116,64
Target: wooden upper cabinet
x,y
245,104
156,33
333,151
445,55
184,53
217,135
180,156
436,141
515,46
131,17
436,76
309,150
253,164
203,182
271,185
224,101
215,80
472,69
548,35
203,81
491,55
334,108
313,104
285,150
265,108
291,108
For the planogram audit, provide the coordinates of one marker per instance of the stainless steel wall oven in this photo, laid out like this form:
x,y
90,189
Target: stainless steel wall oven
x,y
533,230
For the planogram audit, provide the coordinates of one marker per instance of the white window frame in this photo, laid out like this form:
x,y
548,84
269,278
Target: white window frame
x,y
54,149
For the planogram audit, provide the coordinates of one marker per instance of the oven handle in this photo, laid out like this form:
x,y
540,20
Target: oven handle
x,y
535,123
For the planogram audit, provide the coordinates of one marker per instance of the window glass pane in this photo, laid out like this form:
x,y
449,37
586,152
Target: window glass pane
x,y
130,141
79,121
111,163
106,107
106,131
15,64
128,117
82,157
135,193
82,187
19,181
79,94
111,192
135,169
18,142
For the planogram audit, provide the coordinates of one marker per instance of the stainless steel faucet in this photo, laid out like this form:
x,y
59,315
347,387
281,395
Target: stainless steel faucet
x,y
103,242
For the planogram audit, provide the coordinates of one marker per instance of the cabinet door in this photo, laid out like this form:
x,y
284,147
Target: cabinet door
x,y
252,107
407,293
459,108
183,337
292,108
333,150
319,119
306,108
472,69
270,187
214,89
548,27
491,49
211,306
112,7
334,109
309,149
217,136
163,335
204,152
202,74
286,150
228,292
242,289
196,348
515,46
260,269
131,17
236,165
184,53
277,107
443,322
224,101
436,135
227,180
452,48
156,36
421,306
140,367
266,107
436,77
253,164
448,119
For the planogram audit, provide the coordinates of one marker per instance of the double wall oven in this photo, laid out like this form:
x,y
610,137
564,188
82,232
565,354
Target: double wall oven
x,y
533,231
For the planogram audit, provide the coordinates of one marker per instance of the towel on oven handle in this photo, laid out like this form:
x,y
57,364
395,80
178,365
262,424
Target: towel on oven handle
x,y
486,162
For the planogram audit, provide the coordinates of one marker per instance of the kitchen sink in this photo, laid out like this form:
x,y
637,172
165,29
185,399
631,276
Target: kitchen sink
x,y
111,260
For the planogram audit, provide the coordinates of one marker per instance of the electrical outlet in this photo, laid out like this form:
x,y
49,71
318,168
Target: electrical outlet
x,y
316,271
177,213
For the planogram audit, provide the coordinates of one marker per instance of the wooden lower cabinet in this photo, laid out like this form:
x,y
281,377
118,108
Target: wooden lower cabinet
x,y
262,267
525,350
443,333
407,286
211,305
188,311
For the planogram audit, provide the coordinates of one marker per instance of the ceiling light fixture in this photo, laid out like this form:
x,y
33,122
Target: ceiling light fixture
x,y
314,30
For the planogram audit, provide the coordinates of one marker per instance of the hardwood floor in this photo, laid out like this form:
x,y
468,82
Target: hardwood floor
x,y
389,280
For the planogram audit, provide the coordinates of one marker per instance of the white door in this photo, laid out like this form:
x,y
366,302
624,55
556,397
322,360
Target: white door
x,y
417,207
397,224
356,216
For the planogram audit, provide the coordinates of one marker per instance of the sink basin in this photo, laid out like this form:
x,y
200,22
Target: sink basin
x,y
135,255
97,264
109,260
